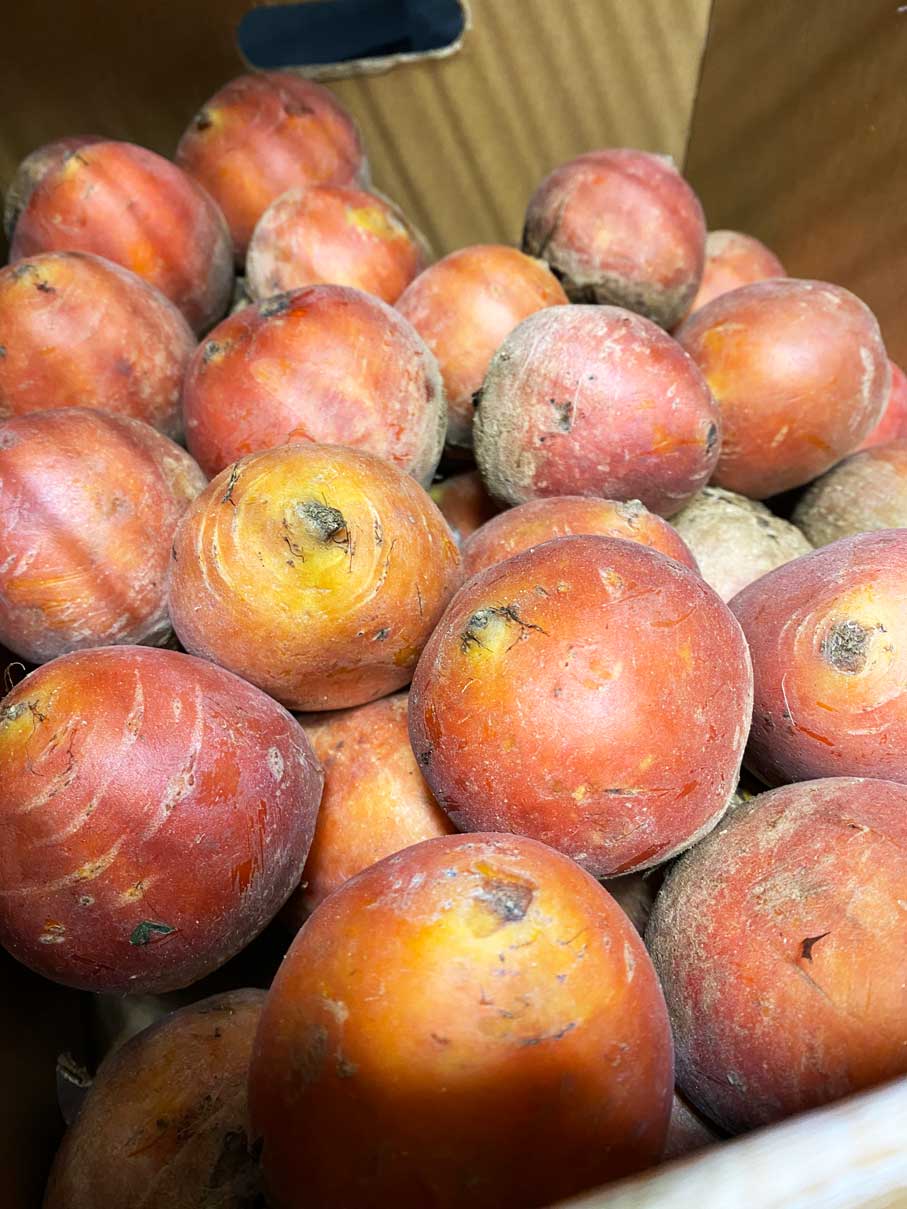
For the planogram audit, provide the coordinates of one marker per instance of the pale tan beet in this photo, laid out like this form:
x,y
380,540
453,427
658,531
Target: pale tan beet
x,y
595,400
375,799
32,169
241,297
733,259
163,1126
800,374
736,540
620,226
866,491
538,521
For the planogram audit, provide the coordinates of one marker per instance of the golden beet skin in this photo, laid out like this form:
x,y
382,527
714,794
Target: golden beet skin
x,y
80,331
333,234
468,1024
591,693
263,134
164,1122
314,571
539,521
594,400
733,259
866,491
828,637
464,306
622,227
156,813
326,364
799,371
780,944
375,799
89,504
133,207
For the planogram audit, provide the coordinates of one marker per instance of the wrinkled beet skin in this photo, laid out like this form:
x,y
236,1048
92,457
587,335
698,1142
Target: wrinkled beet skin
x,y
537,521
77,331
893,424
168,1112
320,620
732,260
482,998
799,371
780,941
620,227
625,651
32,170
330,234
158,813
89,504
594,400
464,503
263,134
828,638
133,207
326,364
375,799
464,307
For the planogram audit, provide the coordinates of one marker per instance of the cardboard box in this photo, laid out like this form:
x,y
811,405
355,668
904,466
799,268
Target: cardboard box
x,y
790,118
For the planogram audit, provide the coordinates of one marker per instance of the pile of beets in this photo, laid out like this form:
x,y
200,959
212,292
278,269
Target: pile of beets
x,y
451,740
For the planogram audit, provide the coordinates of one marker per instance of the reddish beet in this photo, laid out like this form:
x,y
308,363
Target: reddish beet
x,y
893,424
326,364
263,134
591,693
539,521
88,508
464,306
79,331
157,812
336,235
139,210
464,503
828,637
780,945
593,400
799,371
375,799
733,259
622,227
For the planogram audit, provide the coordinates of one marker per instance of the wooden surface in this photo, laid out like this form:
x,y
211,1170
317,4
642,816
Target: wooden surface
x,y
800,137
850,1156
460,142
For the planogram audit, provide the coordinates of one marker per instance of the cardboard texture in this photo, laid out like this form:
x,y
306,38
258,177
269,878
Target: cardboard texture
x,y
459,141
800,137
